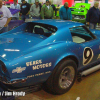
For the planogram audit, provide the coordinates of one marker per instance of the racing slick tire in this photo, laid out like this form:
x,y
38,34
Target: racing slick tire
x,y
62,77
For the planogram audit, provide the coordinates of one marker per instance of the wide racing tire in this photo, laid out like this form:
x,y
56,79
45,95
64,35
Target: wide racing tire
x,y
62,77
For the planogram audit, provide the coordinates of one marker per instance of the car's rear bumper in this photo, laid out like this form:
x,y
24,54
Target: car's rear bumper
x,y
26,89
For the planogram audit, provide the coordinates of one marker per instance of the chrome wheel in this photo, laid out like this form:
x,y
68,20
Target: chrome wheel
x,y
62,77
66,77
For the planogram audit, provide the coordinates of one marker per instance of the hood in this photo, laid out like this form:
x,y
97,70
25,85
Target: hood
x,y
14,45
83,5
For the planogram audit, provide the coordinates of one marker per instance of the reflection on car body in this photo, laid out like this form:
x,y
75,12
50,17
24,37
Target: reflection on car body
x,y
48,52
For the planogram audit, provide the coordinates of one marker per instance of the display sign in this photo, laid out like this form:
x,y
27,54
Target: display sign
x,y
70,2
90,0
77,0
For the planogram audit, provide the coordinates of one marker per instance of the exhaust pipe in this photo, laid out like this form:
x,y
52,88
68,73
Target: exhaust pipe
x,y
91,70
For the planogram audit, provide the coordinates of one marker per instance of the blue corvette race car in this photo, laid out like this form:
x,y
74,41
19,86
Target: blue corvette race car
x,y
48,52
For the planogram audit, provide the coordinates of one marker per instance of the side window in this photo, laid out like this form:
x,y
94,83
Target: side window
x,y
40,29
44,30
36,26
81,34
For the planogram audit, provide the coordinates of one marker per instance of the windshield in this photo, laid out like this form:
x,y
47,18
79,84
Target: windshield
x,y
81,34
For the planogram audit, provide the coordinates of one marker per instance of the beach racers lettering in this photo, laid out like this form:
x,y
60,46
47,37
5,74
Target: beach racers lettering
x,y
33,62
42,66
87,55
39,74
38,64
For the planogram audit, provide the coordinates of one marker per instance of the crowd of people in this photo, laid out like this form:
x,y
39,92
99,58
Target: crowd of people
x,y
45,11
37,11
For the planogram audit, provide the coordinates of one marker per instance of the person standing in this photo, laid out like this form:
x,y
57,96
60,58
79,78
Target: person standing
x,y
93,16
65,12
35,10
25,9
15,6
47,11
5,18
53,6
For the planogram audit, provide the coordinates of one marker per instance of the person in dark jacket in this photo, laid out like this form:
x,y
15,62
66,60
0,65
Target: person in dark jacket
x,y
25,9
65,12
93,16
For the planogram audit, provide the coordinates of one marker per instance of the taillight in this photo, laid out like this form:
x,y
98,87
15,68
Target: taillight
x,y
4,69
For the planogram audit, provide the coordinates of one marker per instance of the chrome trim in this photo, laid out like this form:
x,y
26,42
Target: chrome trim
x,y
79,18
14,81
66,77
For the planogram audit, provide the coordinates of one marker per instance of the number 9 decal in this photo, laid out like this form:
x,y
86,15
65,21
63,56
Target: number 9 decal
x,y
87,55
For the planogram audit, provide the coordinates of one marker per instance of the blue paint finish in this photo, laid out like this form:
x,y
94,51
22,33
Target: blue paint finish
x,y
40,54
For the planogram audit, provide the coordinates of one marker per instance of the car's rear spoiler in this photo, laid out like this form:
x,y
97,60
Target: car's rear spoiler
x,y
84,5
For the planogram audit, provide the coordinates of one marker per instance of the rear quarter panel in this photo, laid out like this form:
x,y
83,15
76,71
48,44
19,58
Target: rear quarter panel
x,y
39,64
95,32
40,60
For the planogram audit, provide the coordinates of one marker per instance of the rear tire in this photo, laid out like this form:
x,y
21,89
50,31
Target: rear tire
x,y
62,78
